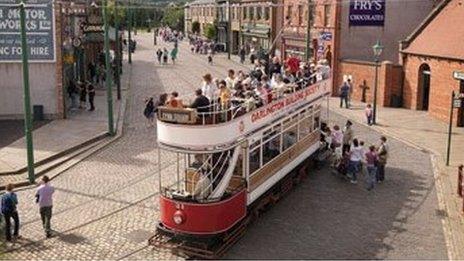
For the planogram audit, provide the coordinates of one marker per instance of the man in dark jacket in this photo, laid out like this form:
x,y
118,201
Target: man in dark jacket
x,y
274,67
201,103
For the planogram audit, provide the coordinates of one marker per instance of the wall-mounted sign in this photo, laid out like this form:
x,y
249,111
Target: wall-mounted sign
x,y
40,29
367,13
325,36
93,28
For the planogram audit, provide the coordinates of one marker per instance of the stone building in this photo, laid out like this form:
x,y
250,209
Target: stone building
x,y
430,56
203,12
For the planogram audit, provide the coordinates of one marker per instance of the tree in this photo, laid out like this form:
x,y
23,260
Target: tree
x,y
174,18
210,31
196,27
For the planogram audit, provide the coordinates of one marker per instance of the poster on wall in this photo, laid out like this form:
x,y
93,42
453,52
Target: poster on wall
x,y
39,31
367,13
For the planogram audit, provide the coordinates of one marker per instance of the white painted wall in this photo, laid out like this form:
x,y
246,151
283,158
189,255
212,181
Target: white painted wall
x,y
42,88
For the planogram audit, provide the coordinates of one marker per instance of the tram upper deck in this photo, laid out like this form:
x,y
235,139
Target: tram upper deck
x,y
216,129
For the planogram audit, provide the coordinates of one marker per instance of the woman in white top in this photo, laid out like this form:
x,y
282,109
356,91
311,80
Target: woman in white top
x,y
277,84
356,157
209,89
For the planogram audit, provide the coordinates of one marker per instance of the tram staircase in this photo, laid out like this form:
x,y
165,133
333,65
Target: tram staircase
x,y
226,180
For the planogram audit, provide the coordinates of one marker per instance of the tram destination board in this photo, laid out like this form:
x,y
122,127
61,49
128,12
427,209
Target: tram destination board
x,y
175,115
39,29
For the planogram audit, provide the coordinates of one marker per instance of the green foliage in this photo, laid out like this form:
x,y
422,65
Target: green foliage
x,y
174,17
210,31
196,27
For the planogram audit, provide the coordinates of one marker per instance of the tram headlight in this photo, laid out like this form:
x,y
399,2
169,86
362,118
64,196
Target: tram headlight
x,y
178,217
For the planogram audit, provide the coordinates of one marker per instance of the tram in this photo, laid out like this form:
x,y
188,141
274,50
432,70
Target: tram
x,y
225,172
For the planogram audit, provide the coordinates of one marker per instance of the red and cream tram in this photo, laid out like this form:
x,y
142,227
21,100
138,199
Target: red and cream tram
x,y
218,174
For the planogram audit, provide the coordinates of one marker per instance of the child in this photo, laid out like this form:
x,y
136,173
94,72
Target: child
x,y
369,114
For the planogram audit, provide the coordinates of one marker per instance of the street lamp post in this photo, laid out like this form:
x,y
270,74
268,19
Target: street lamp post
x,y
109,93
27,95
117,55
377,48
129,16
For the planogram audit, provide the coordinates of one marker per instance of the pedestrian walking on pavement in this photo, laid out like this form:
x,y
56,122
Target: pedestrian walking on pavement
x,y
347,136
383,152
174,55
9,210
44,197
344,92
149,111
371,161
165,56
350,90
159,55
369,114
242,54
91,92
210,56
83,95
356,155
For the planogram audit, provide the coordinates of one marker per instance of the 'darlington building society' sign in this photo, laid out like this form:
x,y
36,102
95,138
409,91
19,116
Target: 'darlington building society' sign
x,y
39,30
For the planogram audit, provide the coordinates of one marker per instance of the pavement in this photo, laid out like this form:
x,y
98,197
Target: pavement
x,y
59,137
418,129
106,206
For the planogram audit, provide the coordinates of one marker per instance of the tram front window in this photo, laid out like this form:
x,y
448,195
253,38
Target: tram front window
x,y
197,174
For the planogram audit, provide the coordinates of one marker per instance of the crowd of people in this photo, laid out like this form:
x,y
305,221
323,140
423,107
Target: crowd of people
x,y
349,155
220,100
199,45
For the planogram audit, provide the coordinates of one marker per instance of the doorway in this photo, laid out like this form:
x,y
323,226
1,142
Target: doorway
x,y
460,122
424,87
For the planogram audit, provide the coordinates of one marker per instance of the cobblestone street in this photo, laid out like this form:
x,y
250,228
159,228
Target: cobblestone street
x,y
106,206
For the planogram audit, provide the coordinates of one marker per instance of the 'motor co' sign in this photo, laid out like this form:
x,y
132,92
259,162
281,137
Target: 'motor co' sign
x,y
367,12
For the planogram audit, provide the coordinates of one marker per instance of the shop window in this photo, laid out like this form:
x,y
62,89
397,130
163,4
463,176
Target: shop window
x,y
258,13
289,12
252,12
245,11
327,14
266,13
300,14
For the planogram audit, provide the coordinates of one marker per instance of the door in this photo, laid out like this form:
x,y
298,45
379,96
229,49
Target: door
x,y
461,110
423,88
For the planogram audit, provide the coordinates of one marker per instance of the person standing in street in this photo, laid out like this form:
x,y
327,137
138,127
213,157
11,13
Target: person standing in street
x,y
369,114
165,56
44,197
159,55
242,54
83,95
356,155
344,92
91,92
9,210
350,90
174,55
347,136
382,151
371,160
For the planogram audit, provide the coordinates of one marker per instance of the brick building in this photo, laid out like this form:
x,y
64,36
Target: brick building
x,y
430,56
355,55
324,17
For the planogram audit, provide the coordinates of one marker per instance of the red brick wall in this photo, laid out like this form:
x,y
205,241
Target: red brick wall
x,y
441,84
60,106
363,74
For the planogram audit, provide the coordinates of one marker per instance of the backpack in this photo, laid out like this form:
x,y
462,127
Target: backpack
x,y
7,204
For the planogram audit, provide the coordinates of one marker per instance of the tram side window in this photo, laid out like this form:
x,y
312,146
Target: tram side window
x,y
255,160
289,137
317,120
271,148
306,126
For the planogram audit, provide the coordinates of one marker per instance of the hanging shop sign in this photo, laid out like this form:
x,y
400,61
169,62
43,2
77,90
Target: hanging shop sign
x,y
367,13
40,30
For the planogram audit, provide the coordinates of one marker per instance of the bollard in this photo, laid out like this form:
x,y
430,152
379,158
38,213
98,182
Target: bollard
x,y
460,180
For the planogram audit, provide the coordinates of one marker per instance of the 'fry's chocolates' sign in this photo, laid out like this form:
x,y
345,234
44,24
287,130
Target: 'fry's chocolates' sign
x,y
367,12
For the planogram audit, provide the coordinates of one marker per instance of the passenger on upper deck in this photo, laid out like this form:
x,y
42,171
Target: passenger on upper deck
x,y
201,102
209,89
174,101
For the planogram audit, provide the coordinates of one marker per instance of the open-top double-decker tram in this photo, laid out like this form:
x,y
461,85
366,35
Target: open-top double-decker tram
x,y
229,166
